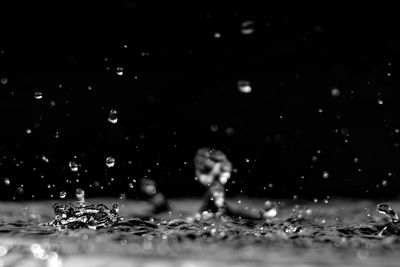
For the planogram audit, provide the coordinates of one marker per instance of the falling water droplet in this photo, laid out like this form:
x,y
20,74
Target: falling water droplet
x,y
110,162
380,101
335,92
384,183
73,166
63,194
247,27
6,181
113,116
130,185
120,71
325,174
3,80
244,86
38,95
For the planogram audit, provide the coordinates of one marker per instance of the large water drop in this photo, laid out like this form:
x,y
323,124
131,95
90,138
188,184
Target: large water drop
x,y
244,86
73,166
110,162
113,116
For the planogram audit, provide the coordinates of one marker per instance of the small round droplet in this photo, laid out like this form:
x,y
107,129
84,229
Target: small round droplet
x,y
325,174
6,181
110,162
335,92
384,183
247,27
38,95
73,166
113,116
120,71
63,194
380,101
3,80
244,86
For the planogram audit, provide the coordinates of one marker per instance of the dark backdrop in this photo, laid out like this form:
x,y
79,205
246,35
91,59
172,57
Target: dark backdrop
x,y
181,63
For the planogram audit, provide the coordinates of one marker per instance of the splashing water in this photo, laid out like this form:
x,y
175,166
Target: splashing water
x,y
68,216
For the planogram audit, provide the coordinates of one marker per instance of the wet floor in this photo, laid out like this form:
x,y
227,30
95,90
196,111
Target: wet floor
x,y
338,233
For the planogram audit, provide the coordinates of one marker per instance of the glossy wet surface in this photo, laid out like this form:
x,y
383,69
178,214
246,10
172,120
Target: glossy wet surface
x,y
340,233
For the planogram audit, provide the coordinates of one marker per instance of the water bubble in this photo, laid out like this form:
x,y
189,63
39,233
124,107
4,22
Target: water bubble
x,y
247,27
120,71
38,95
214,128
335,92
244,86
110,162
73,166
113,116
3,80
63,194
325,174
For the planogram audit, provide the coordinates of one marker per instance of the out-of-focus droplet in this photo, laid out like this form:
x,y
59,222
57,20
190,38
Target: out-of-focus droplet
x,y
45,159
130,185
384,183
247,27
73,166
20,190
120,71
3,80
113,116
380,101
38,95
80,196
244,86
217,35
214,128
335,92
110,162
6,181
325,174
63,194
122,197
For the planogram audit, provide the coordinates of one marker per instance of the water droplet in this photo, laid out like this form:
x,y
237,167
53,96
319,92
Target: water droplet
x,y
80,196
38,95
325,174
63,194
130,185
73,166
3,80
45,159
110,162
335,92
28,131
113,116
380,101
120,71
384,183
6,181
247,27
217,35
244,86
214,128
122,197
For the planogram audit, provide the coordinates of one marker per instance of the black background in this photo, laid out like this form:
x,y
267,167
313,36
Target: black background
x,y
178,92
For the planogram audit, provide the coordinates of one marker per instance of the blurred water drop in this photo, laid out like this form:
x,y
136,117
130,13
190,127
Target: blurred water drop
x,y
110,162
3,80
73,166
120,71
247,27
20,190
28,131
6,181
80,196
325,174
63,194
217,35
130,185
384,183
244,86
214,128
113,116
380,101
335,92
122,197
45,159
38,95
